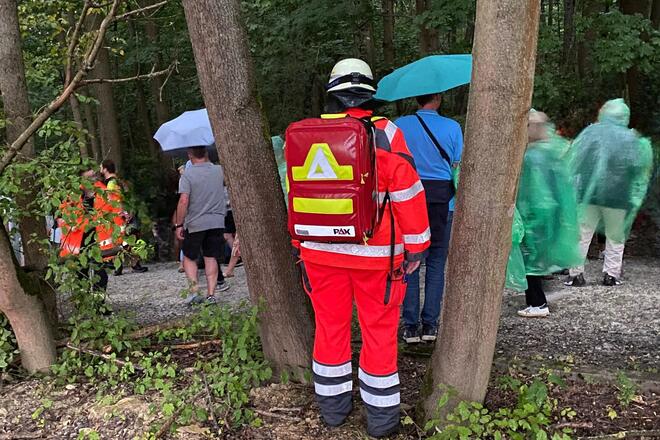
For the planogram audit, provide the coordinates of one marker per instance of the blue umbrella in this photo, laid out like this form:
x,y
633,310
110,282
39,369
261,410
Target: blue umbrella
x,y
433,74
190,129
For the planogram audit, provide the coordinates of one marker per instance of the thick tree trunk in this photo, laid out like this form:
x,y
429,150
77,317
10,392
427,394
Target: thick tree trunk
x,y
242,139
500,98
26,312
655,14
424,37
18,115
590,8
107,116
388,33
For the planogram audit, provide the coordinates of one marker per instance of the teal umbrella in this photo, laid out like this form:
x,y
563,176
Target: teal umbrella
x,y
433,74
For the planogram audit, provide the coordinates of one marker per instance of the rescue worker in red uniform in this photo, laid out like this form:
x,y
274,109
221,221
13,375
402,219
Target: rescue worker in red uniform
x,y
368,273
75,223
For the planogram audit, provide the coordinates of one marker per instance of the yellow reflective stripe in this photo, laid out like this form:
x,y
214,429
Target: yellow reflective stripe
x,y
377,118
333,115
321,164
322,206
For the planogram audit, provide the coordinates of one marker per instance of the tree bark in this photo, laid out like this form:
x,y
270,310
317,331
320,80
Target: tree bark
x,y
424,37
655,14
388,33
26,312
569,32
76,111
144,120
107,116
500,98
19,116
242,139
590,8
551,11
151,30
90,124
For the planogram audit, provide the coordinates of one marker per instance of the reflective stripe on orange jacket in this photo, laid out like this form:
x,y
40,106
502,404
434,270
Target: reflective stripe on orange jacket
x,y
398,177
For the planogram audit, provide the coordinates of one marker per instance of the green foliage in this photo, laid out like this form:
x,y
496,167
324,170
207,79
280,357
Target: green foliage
x,y
532,414
7,344
626,389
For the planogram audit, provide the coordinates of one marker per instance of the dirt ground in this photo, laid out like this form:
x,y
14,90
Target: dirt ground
x,y
591,333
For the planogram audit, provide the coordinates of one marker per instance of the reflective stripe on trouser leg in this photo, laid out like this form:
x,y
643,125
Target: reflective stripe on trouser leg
x,y
381,396
333,385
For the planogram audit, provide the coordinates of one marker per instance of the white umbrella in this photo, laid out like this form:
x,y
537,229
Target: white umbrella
x,y
191,129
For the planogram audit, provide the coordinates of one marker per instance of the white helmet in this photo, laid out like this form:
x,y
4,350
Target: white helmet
x,y
351,73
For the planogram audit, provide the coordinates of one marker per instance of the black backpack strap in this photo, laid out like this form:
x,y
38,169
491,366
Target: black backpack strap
x,y
435,141
390,274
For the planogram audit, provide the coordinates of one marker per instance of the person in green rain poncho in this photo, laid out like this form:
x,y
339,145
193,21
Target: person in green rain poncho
x,y
546,228
611,166
278,148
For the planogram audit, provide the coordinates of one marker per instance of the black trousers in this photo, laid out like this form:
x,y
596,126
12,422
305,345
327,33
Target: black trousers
x,y
534,294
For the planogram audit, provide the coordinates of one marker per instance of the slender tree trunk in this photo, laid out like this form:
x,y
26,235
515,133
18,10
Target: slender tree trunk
x,y
144,119
551,12
26,312
434,42
90,124
151,30
241,133
569,32
388,33
424,37
590,8
500,98
107,116
76,111
655,14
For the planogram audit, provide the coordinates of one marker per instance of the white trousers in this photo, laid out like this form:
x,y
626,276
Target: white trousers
x,y
615,234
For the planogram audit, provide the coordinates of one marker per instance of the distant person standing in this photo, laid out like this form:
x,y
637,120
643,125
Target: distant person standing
x,y
200,221
436,143
115,195
611,166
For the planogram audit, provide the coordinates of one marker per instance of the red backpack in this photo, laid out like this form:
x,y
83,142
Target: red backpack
x,y
332,179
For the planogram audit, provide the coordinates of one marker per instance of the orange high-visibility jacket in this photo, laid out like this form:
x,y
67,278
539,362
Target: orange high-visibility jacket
x,y
398,177
106,203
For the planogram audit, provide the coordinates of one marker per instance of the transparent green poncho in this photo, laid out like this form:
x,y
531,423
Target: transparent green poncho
x,y
545,230
611,166
278,148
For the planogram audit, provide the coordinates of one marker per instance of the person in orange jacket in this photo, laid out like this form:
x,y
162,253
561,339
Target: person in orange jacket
x,y
370,273
75,223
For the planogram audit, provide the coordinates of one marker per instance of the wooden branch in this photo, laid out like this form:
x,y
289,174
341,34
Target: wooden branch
x,y
195,345
75,39
209,399
103,356
47,112
149,75
277,416
141,10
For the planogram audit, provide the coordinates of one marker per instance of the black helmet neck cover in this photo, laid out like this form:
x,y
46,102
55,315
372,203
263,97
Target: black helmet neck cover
x,y
349,98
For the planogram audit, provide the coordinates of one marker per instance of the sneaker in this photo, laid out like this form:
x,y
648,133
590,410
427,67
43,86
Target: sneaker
x,y
609,280
211,300
119,272
411,335
576,281
534,312
239,263
193,298
222,286
429,333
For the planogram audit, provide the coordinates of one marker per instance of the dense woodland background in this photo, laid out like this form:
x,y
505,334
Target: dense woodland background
x,y
589,51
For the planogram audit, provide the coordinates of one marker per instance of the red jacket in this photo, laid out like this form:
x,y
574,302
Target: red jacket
x,y
398,177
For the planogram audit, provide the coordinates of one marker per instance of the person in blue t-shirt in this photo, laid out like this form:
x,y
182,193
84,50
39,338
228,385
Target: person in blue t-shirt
x,y
436,144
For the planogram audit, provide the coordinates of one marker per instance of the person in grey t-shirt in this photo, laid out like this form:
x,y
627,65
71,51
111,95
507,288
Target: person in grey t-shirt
x,y
200,220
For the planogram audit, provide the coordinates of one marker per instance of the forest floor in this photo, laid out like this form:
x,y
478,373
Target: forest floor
x,y
592,335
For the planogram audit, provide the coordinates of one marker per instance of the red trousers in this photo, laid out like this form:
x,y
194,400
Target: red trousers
x,y
333,290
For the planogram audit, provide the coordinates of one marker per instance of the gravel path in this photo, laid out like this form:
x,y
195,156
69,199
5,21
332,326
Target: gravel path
x,y
595,325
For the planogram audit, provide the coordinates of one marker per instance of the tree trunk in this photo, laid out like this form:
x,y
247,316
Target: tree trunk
x,y
243,143
78,118
388,33
424,37
590,8
500,98
144,120
151,30
18,116
551,11
25,312
569,32
107,116
655,14
634,86
90,124
434,42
